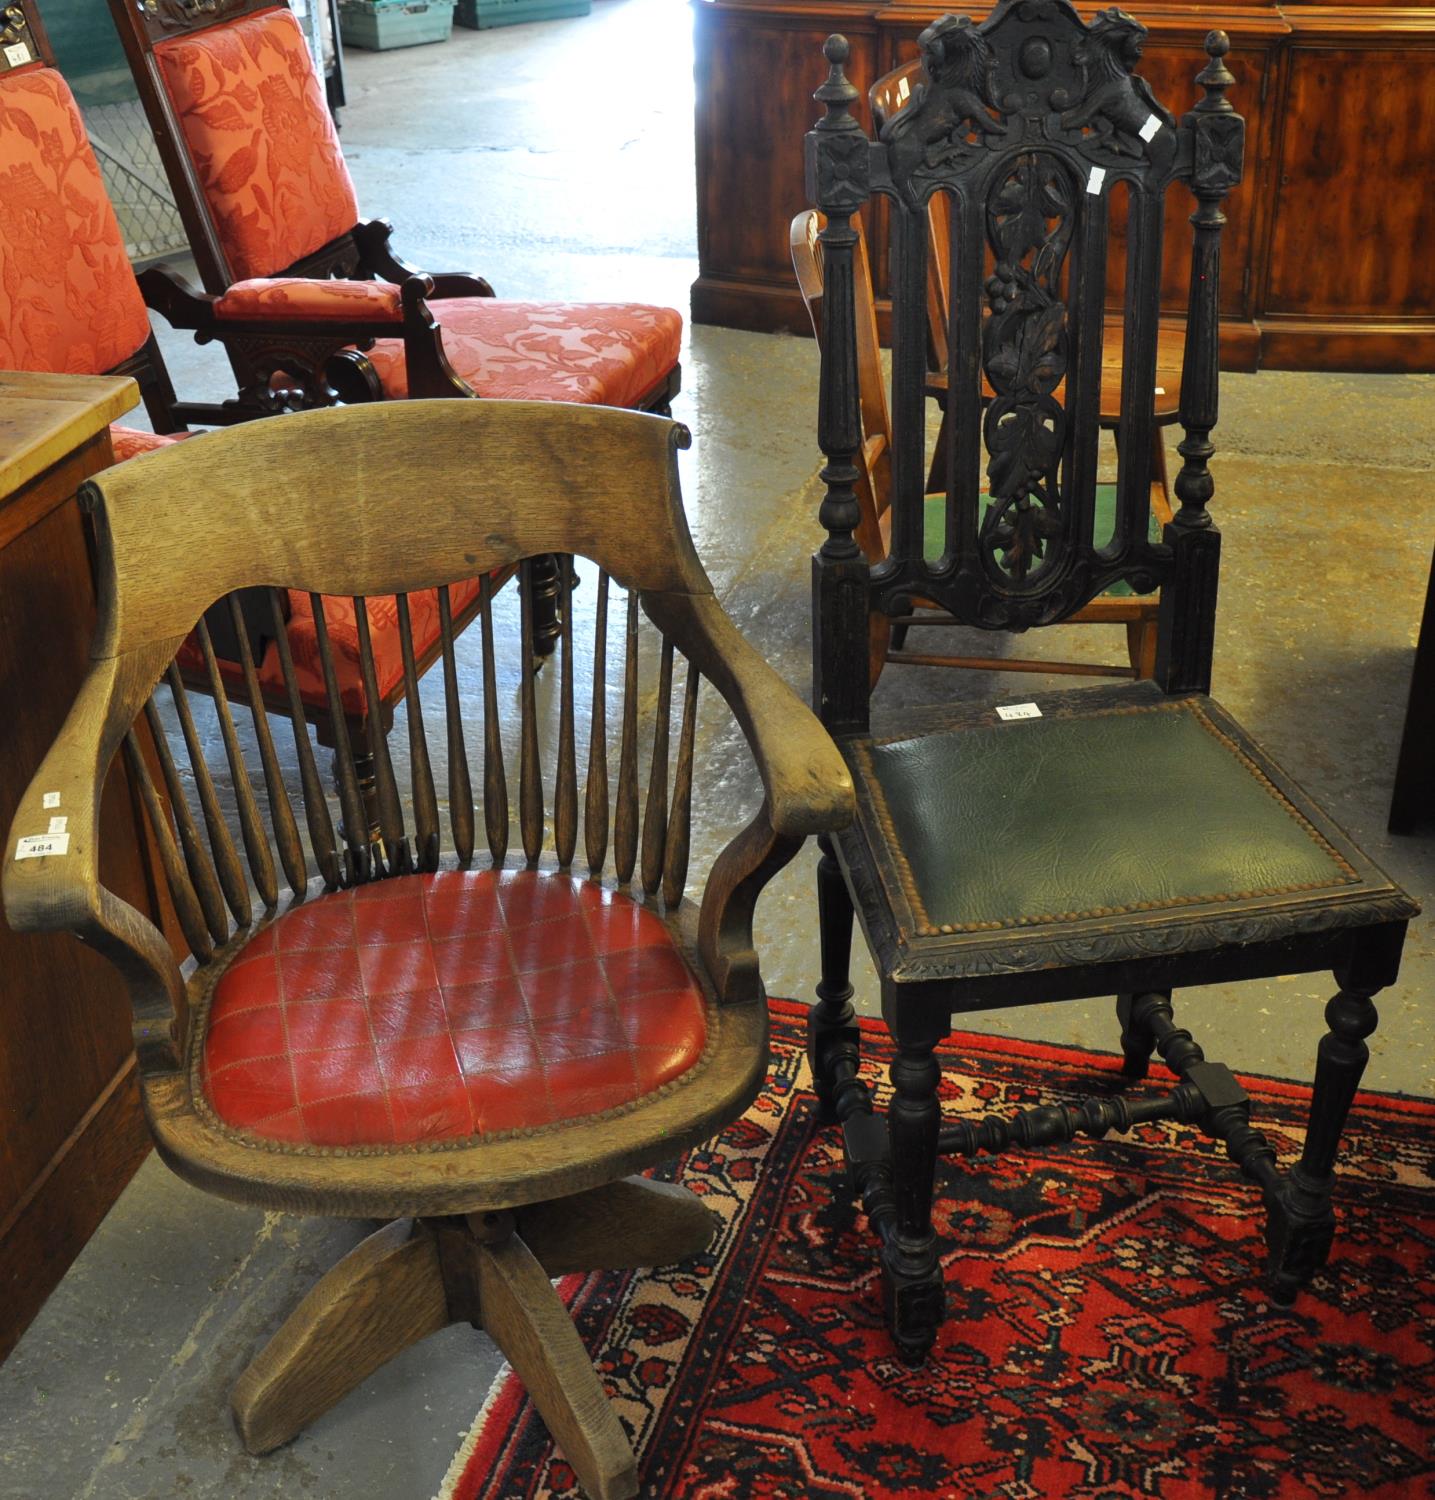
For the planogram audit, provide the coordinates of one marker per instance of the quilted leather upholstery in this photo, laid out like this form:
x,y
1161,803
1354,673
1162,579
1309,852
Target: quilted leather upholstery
x,y
300,297
606,353
1052,819
68,299
253,114
446,1007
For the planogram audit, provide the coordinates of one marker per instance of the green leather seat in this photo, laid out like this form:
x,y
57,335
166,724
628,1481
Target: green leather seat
x,y
1057,819
934,528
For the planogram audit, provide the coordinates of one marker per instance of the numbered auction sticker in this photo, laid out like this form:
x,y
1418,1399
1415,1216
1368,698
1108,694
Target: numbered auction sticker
x,y
1019,711
38,845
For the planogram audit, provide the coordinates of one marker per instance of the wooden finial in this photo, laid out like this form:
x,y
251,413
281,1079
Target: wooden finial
x,y
1216,77
838,95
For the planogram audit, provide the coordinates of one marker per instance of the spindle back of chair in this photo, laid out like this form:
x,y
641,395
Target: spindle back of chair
x,y
505,472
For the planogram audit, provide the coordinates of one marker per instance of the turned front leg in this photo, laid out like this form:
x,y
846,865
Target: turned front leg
x,y
912,1273
1302,1224
832,1035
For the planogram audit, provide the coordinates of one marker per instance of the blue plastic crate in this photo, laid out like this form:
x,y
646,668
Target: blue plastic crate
x,y
478,15
381,24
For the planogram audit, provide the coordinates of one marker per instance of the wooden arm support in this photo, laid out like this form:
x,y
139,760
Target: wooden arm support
x,y
307,344
61,892
377,258
808,786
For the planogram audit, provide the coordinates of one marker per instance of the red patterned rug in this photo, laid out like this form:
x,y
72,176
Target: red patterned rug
x,y
1107,1335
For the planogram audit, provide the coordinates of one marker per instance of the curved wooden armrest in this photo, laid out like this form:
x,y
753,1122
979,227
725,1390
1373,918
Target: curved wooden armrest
x,y
378,258
61,891
808,786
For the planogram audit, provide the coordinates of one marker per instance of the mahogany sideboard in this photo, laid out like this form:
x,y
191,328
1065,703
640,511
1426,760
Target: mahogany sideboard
x,y
71,1129
1326,264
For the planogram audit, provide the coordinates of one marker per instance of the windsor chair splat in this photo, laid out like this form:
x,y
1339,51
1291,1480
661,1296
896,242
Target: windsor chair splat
x,y
484,1044
1002,861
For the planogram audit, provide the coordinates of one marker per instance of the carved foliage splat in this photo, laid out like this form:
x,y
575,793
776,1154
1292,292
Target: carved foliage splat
x,y
1030,218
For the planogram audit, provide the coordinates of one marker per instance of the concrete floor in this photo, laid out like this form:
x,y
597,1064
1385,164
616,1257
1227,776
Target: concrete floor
x,y
118,1390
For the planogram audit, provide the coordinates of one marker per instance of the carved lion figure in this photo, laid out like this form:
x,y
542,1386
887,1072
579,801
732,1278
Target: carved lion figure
x,y
953,103
1115,102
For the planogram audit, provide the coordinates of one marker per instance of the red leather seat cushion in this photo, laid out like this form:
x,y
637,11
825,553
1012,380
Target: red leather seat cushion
x,y
603,353
438,1007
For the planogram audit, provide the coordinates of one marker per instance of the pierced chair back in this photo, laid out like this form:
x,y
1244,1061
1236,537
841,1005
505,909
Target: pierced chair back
x,y
873,459
1025,123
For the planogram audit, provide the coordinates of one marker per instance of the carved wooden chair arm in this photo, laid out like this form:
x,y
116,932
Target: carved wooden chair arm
x,y
275,321
61,891
378,258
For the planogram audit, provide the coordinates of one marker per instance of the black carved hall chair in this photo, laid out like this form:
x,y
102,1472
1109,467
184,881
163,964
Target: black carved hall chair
x,y
999,861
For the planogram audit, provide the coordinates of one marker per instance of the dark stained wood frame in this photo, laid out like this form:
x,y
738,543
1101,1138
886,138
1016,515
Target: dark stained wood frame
x,y
1022,119
481,1224
874,483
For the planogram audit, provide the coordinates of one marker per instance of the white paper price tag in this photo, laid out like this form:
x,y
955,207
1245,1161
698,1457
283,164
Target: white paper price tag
x,y
58,825
18,55
1019,711
1098,176
50,799
1152,125
38,845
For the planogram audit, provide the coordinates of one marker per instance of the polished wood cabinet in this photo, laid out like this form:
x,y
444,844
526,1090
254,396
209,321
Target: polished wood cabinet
x,y
1326,261
71,1129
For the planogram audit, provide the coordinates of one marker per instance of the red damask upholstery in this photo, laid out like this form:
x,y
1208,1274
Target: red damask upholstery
x,y
268,158
130,442
344,643
297,297
605,353
68,299
450,1006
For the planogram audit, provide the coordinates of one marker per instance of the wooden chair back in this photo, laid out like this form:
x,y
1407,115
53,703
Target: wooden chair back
x,y
255,200
505,474
1023,122
71,303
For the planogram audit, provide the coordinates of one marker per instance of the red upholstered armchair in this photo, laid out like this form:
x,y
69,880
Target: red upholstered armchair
x,y
260,180
69,303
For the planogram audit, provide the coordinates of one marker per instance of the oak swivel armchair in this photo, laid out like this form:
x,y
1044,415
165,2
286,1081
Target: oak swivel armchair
x,y
1119,605
1003,860
480,1049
